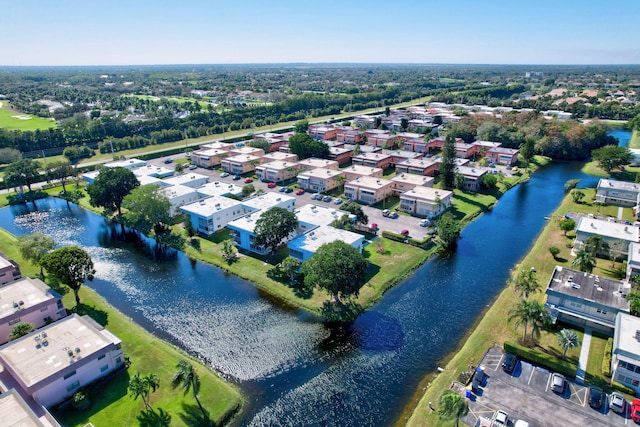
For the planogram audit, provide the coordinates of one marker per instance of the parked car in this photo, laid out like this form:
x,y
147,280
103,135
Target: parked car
x,y
500,418
326,199
168,160
635,410
271,185
510,362
386,212
617,403
521,423
224,175
316,196
337,201
393,214
192,167
237,177
282,189
405,233
248,180
425,223
300,192
288,190
558,383
596,395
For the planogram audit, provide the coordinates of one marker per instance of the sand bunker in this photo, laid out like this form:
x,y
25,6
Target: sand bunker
x,y
22,117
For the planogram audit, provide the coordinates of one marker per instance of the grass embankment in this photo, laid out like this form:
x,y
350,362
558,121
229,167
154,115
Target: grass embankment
x,y
628,174
148,354
635,140
493,326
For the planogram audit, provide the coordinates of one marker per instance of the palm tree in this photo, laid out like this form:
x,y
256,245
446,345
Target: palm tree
x,y
595,244
187,378
522,314
526,283
567,339
143,387
584,261
539,317
453,406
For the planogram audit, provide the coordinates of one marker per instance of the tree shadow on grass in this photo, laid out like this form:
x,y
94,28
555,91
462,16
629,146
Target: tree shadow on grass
x,y
193,417
100,316
152,418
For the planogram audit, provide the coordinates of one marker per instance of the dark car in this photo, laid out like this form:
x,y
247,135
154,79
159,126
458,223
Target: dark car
x,y
288,190
509,363
596,396
237,177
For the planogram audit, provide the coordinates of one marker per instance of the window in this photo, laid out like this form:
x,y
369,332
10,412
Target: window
x,y
59,304
69,375
118,346
14,321
73,386
104,368
45,308
102,357
118,360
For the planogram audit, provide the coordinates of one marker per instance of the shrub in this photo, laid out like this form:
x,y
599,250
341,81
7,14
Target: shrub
x,y
554,251
551,362
606,359
623,388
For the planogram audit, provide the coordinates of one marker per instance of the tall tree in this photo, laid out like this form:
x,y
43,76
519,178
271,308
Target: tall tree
x,y
290,265
448,230
273,227
448,165
22,172
538,316
60,171
584,261
596,245
355,209
9,155
611,157
110,188
147,208
301,126
567,225
526,283
527,150
304,147
143,387
521,313
71,265
453,406
567,339
336,267
187,378
34,246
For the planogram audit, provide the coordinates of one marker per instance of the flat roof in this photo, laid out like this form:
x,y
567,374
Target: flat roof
x,y
4,263
372,156
362,170
278,165
241,158
246,223
45,352
218,189
149,180
314,162
490,144
609,229
585,286
127,163
618,185
404,154
215,145
248,151
369,182
267,200
211,205
426,193
15,411
420,163
626,334
151,170
319,236
321,173
26,293
209,152
634,252
504,150
411,178
178,191
469,171
278,155
319,214
339,150
186,178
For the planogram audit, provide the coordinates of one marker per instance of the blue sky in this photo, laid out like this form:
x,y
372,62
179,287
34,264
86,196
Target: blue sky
x,y
119,32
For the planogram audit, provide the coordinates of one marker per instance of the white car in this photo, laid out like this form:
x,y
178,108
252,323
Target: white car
x,y
224,175
500,418
521,423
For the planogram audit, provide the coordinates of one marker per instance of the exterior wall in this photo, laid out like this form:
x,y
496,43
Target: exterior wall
x,y
351,174
617,197
382,163
471,183
9,273
626,373
581,313
208,225
240,166
424,207
39,315
502,158
265,173
352,191
350,137
61,388
317,184
207,159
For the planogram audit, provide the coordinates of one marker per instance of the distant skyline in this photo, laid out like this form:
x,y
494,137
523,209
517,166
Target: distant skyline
x,y
145,32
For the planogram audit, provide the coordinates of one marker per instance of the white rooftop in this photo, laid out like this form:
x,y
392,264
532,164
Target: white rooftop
x,y
152,170
277,155
4,262
319,215
372,156
411,178
426,193
210,152
313,163
219,189
48,348
320,173
278,165
369,182
488,144
150,180
403,154
362,170
186,178
176,191
319,236
268,200
420,163
469,171
626,334
127,163
90,176
611,229
15,411
241,158
207,207
217,146
246,223
618,185
22,294
250,151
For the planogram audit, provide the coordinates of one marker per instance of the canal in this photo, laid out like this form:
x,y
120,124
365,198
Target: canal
x,y
294,369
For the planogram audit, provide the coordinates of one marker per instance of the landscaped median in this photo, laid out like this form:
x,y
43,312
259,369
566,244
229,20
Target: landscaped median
x,y
493,325
111,403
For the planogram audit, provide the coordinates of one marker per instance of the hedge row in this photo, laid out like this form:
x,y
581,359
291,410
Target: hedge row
x,y
553,363
623,388
426,243
606,359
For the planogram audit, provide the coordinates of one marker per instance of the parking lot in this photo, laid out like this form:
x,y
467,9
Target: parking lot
x,y
395,225
526,394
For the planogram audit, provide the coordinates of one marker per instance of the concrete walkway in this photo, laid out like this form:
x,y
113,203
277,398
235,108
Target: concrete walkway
x,y
620,213
584,356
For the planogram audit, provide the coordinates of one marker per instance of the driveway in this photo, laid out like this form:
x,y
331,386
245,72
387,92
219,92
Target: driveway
x,y
526,394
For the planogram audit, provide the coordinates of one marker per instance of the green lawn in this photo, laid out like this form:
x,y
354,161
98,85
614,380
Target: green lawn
x,y
111,404
15,120
635,139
